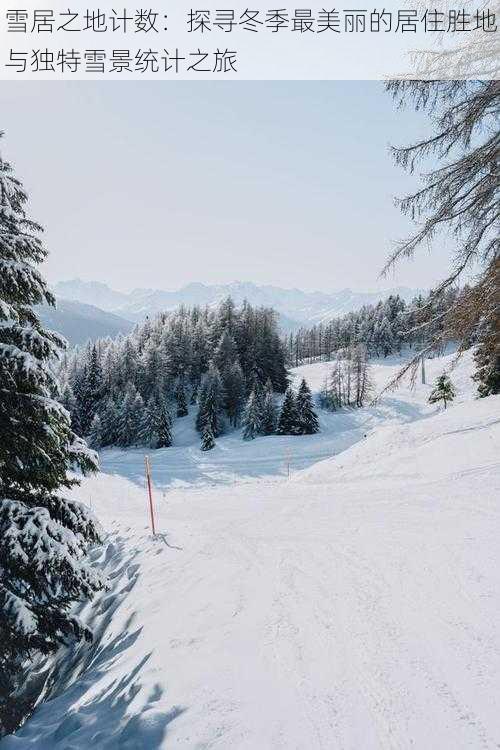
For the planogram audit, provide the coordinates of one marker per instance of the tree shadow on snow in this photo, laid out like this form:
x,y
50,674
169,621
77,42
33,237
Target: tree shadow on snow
x,y
84,704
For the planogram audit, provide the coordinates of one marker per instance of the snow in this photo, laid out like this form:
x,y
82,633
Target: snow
x,y
354,606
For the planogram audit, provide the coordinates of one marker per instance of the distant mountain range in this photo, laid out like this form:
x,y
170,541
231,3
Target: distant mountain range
x,y
296,307
79,322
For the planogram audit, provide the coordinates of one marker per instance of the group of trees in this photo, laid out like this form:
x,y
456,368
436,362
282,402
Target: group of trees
x,y
384,329
296,416
348,383
128,391
44,536
458,194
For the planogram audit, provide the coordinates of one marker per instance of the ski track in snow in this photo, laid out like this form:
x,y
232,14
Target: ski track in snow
x,y
354,607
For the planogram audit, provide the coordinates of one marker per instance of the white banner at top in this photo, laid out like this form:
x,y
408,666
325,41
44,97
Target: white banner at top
x,y
79,40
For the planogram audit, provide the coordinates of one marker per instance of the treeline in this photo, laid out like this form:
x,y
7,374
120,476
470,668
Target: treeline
x,y
129,390
384,329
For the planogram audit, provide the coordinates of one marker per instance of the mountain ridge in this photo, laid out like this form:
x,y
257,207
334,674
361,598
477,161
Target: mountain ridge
x,y
296,307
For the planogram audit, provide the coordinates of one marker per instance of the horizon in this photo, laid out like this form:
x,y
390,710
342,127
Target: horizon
x,y
235,282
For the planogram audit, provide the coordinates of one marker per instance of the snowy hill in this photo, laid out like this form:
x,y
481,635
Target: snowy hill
x,y
354,605
295,306
79,322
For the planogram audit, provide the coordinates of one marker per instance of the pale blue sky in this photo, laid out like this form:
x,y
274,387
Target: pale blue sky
x,y
157,185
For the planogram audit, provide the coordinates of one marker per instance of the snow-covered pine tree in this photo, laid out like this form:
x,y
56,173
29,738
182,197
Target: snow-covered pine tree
x,y
109,422
234,389
226,353
95,434
487,359
94,380
180,397
443,391
269,412
136,417
68,400
43,535
308,419
130,417
163,425
207,439
211,403
288,423
252,418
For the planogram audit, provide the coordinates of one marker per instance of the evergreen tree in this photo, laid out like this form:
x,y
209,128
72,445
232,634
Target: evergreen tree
x,y
234,389
68,400
163,426
207,439
43,535
109,423
487,359
130,418
94,380
136,418
211,403
443,391
82,413
226,353
95,434
252,418
308,420
148,432
269,413
289,423
180,396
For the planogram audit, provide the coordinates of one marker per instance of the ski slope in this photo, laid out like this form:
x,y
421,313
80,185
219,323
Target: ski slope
x,y
353,606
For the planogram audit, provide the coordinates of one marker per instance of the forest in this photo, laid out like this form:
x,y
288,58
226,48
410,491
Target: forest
x,y
228,362
385,328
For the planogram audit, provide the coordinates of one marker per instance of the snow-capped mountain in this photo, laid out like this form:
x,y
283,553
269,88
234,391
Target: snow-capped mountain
x,y
295,306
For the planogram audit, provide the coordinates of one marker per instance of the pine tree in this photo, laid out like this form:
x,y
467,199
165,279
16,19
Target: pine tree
x,y
180,397
136,417
211,403
226,353
234,389
109,423
95,434
308,420
207,439
43,535
94,380
288,423
68,400
130,418
269,412
163,426
487,359
443,391
252,418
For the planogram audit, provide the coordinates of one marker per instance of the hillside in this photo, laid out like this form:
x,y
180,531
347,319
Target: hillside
x,y
295,307
78,322
352,606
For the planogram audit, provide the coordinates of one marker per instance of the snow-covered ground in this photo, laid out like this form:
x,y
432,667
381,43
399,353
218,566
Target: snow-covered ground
x,y
352,606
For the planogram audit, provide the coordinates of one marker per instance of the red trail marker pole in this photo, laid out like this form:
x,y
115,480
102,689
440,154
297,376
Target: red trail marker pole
x,y
150,493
